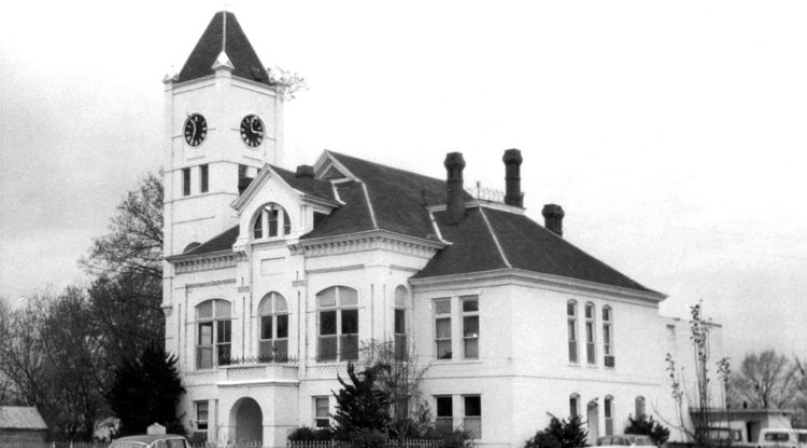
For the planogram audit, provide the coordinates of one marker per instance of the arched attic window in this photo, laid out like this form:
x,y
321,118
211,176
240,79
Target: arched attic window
x,y
270,221
273,345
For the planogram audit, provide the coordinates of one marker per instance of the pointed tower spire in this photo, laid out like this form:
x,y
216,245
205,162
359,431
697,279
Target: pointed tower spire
x,y
224,44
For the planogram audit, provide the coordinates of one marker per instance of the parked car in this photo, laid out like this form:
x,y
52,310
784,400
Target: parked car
x,y
623,441
151,441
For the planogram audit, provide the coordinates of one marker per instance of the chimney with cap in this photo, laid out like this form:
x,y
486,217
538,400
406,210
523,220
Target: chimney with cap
x,y
512,178
455,200
553,218
305,171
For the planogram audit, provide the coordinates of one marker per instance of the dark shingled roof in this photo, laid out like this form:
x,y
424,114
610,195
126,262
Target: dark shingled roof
x,y
222,241
245,61
525,244
315,187
395,198
394,194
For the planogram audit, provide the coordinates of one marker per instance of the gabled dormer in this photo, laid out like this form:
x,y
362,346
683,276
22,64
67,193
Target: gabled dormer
x,y
280,206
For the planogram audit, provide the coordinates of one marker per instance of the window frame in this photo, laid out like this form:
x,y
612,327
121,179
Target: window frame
x,y
443,317
574,405
202,424
609,359
271,221
204,178
320,419
640,405
446,421
608,414
573,332
341,310
474,337
400,335
218,343
591,330
186,181
274,314
475,419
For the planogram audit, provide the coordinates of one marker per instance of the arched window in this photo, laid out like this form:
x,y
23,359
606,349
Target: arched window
x,y
571,321
608,337
609,415
401,300
591,353
270,221
273,344
214,333
338,314
640,407
574,405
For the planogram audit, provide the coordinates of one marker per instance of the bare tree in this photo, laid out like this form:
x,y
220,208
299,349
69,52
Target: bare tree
x,y
134,243
765,381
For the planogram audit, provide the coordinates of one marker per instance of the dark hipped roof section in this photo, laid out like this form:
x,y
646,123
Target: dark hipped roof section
x,y
526,245
222,241
315,187
394,195
245,61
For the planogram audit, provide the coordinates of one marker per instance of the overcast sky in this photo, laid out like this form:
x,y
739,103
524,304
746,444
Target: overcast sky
x,y
673,134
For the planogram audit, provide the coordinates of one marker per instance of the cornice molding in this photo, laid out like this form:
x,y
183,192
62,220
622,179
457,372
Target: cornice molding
x,y
531,279
205,262
365,241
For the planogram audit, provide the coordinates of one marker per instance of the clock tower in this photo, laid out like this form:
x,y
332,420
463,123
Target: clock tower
x,y
223,122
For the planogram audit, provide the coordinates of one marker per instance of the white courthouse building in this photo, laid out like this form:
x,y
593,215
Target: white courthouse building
x,y
275,276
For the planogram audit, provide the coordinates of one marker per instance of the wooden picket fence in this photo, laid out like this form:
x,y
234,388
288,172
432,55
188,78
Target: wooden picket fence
x,y
408,443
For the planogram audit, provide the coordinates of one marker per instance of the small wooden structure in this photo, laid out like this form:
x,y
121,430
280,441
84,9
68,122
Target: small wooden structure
x,y
21,424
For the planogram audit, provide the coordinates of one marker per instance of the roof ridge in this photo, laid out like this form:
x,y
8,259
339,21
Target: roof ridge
x,y
339,154
495,238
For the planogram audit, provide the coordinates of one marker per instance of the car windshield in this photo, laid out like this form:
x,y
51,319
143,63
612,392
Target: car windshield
x,y
777,437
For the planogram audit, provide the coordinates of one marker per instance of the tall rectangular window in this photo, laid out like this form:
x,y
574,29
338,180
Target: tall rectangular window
x,y
445,412
186,181
607,337
203,178
442,333
202,412
472,422
338,324
571,323
470,327
609,416
574,405
322,419
591,354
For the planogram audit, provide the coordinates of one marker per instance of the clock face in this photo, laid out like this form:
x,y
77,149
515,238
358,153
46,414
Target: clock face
x,y
252,131
195,130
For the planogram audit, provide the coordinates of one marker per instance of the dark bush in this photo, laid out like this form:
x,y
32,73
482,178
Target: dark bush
x,y
306,434
644,425
566,434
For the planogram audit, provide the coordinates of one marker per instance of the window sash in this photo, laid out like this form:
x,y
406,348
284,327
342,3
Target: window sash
x,y
443,337
186,181
203,178
327,348
202,414
322,418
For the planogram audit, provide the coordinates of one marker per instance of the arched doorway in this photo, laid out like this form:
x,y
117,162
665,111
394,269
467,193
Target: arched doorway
x,y
248,419
592,415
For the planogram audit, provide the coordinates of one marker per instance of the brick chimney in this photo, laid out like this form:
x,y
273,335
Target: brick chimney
x,y
553,218
455,200
305,171
512,178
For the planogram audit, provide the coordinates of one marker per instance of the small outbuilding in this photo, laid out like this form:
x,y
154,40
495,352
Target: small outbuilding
x,y
21,424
